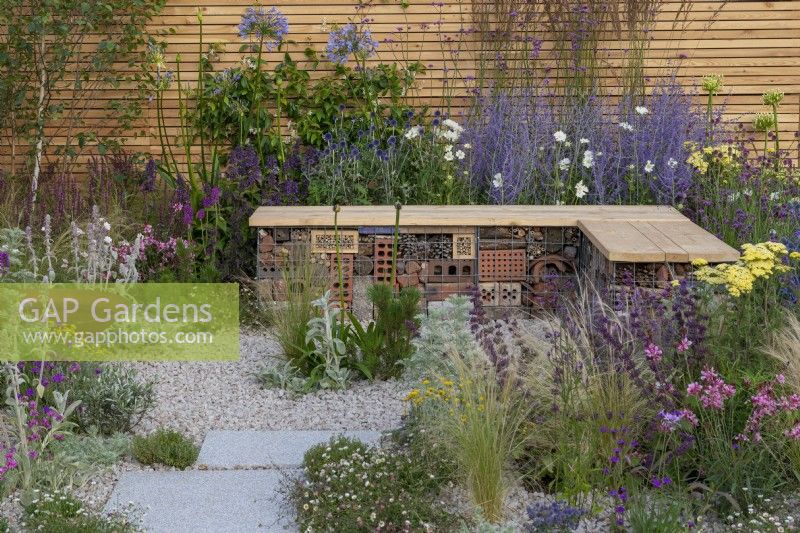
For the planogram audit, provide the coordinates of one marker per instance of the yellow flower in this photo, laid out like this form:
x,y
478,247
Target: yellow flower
x,y
795,256
699,263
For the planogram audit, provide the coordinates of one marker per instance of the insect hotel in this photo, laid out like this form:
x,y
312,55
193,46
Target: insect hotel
x,y
517,257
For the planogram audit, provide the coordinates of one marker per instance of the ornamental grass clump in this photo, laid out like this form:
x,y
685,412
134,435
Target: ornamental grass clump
x,y
477,420
350,486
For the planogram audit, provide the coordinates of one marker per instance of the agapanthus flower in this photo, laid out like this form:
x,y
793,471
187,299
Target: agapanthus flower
x,y
270,27
349,40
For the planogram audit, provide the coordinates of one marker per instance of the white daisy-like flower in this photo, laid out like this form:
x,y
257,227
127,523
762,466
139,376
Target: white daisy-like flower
x,y
584,140
450,135
497,180
453,125
467,146
581,189
460,155
774,196
567,144
649,167
672,163
448,156
107,239
625,126
413,133
588,159
564,163
641,110
106,226
560,136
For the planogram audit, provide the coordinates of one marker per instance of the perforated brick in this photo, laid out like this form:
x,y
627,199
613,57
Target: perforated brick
x,y
383,259
509,294
489,294
448,271
502,265
348,261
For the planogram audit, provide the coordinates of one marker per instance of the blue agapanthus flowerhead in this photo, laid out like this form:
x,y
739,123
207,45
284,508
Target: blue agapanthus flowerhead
x,y
268,26
349,40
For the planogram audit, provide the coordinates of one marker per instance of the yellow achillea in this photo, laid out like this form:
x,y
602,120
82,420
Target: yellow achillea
x,y
725,157
758,261
443,391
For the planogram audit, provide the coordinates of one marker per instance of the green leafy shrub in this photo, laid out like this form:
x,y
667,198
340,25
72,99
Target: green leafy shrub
x,y
113,400
4,527
165,447
350,486
60,512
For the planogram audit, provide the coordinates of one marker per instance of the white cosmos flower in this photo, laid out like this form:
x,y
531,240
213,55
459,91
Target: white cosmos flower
x,y
450,135
588,159
560,136
448,156
581,189
497,180
584,140
467,146
625,126
641,110
672,163
460,155
648,167
564,163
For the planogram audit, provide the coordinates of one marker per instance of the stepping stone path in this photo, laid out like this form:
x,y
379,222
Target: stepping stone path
x,y
237,485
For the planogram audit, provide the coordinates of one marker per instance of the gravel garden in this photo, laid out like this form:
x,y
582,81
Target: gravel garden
x,y
619,405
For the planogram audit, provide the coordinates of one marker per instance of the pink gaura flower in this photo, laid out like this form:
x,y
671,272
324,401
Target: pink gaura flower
x,y
766,404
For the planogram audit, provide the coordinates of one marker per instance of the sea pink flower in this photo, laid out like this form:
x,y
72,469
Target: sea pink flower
x,y
713,391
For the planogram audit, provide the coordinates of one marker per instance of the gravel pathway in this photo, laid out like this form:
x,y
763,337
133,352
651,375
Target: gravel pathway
x,y
196,397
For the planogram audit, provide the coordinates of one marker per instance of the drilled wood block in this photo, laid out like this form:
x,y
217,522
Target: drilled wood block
x,y
509,294
463,246
489,294
502,265
383,259
438,292
324,241
448,271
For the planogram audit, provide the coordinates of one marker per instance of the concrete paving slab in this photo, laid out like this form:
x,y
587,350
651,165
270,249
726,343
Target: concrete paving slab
x,y
266,449
211,501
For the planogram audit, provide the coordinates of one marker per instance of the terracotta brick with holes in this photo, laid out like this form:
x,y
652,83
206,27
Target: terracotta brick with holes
x,y
383,259
502,265
448,271
348,261
488,294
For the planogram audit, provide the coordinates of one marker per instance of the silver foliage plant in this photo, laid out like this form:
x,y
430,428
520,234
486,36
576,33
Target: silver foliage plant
x,y
93,256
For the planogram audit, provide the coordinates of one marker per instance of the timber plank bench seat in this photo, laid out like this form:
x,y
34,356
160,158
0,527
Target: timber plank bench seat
x,y
517,256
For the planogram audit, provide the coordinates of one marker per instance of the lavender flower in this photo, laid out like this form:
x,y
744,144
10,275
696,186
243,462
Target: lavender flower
x,y
269,27
348,40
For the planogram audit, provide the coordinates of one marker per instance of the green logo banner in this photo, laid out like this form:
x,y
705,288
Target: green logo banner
x,y
117,322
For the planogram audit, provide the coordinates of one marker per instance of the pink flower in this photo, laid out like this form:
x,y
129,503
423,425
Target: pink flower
x,y
767,404
794,433
653,353
684,345
713,391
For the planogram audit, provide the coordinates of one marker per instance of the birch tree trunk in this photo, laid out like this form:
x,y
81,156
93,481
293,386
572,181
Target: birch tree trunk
x,y
40,112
